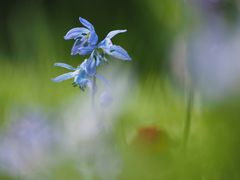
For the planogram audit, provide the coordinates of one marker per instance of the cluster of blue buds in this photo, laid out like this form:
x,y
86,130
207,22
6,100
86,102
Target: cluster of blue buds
x,y
86,43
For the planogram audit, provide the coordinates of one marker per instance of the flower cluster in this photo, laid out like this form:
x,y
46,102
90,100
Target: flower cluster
x,y
86,43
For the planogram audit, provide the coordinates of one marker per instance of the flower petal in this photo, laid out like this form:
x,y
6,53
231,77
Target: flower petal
x,y
93,38
86,23
118,52
76,33
111,34
82,80
85,50
63,77
83,64
105,44
77,44
65,66
91,66
100,59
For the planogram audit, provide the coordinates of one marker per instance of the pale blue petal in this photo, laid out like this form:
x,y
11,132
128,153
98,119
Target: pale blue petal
x,y
85,50
93,39
76,33
105,44
102,43
63,77
82,80
77,44
114,33
100,60
86,23
91,66
65,66
118,52
83,64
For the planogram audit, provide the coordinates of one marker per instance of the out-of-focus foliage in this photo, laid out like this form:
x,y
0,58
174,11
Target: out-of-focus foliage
x,y
33,27
32,40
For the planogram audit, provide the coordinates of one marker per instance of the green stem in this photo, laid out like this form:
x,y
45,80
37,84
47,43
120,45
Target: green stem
x,y
187,124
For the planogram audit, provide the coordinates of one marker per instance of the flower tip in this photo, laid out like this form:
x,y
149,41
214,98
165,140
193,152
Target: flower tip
x,y
65,38
54,80
83,21
55,64
73,53
80,18
129,59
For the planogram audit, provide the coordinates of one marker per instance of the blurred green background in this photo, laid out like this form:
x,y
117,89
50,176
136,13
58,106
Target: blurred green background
x,y
31,41
32,33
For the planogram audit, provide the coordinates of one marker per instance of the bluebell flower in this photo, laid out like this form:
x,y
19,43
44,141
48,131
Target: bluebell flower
x,y
91,65
80,75
86,42
106,46
113,50
85,38
96,59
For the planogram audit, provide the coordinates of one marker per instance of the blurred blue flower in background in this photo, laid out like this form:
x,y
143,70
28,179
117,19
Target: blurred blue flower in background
x,y
26,145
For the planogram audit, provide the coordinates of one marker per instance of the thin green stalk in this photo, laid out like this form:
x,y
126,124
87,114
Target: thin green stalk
x,y
187,123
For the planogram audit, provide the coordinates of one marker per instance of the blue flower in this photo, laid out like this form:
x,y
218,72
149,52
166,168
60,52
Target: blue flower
x,y
81,77
86,42
113,50
85,38
96,59
91,66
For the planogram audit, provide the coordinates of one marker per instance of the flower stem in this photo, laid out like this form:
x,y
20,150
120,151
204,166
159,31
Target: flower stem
x,y
187,123
93,93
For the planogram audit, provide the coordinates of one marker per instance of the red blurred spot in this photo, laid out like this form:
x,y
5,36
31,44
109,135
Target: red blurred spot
x,y
150,139
149,134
